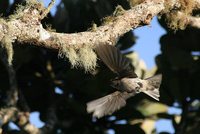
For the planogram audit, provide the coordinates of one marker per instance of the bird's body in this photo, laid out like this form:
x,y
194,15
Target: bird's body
x,y
127,83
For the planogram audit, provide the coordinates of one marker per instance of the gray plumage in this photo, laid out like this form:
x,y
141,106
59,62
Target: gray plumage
x,y
108,104
115,61
127,83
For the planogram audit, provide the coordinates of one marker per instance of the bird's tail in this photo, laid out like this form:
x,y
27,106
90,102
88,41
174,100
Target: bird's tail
x,y
108,104
152,86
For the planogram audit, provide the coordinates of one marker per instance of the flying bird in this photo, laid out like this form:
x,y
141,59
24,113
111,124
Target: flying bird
x,y
127,83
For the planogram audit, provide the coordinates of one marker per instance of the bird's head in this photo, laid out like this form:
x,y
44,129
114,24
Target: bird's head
x,y
116,84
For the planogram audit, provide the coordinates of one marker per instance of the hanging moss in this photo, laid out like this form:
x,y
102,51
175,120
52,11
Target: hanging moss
x,y
83,57
6,43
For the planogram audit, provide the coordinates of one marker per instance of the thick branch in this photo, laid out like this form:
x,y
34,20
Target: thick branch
x,y
29,29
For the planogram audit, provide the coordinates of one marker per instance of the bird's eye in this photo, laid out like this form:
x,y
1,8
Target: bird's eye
x,y
115,84
140,84
137,90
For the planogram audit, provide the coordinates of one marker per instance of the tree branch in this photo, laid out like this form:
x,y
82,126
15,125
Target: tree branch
x,y
6,114
189,20
28,28
12,91
194,21
47,10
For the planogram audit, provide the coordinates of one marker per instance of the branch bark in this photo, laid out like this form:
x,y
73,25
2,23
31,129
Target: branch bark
x,y
7,114
28,28
190,20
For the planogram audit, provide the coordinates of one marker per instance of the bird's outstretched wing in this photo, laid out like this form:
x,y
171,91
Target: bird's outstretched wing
x,y
115,61
108,104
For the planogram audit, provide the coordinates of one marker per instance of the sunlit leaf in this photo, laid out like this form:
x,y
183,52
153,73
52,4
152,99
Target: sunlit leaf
x,y
148,108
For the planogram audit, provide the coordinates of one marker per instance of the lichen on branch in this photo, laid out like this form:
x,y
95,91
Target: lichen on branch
x,y
6,41
27,28
84,57
176,21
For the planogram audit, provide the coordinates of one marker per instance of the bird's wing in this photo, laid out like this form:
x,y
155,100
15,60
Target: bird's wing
x,y
108,104
115,61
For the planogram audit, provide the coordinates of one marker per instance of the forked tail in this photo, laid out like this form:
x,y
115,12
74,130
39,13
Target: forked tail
x,y
153,85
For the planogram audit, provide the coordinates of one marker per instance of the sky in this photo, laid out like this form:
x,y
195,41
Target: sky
x,y
147,46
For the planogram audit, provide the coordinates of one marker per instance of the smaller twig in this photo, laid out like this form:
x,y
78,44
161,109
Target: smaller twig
x,y
22,103
21,118
197,4
47,10
7,114
51,120
194,22
25,125
190,20
181,128
12,92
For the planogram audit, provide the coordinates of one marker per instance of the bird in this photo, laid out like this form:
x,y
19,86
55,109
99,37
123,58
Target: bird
x,y
127,83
